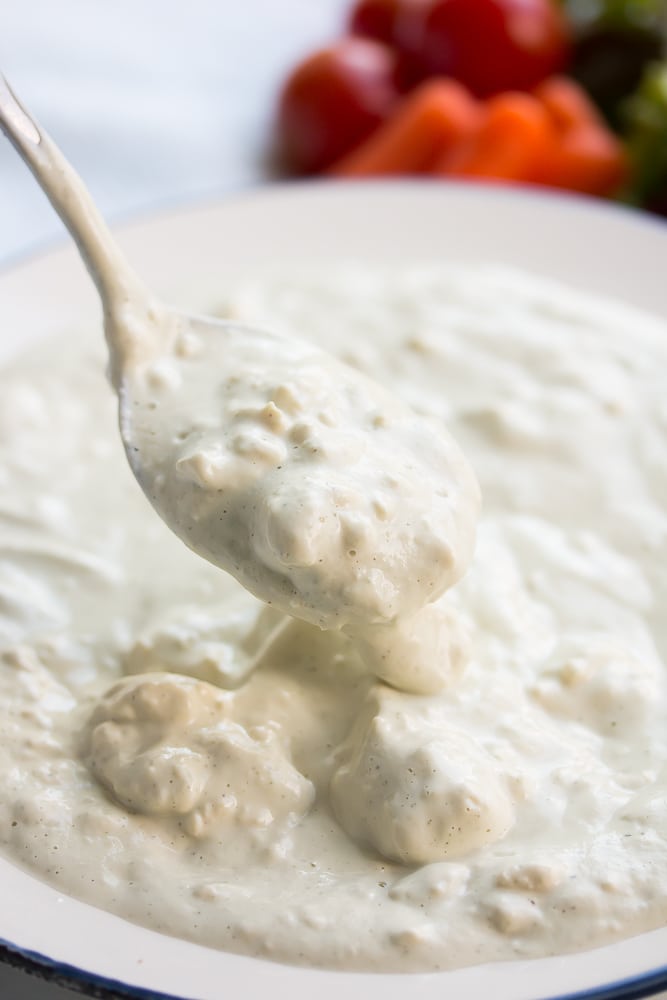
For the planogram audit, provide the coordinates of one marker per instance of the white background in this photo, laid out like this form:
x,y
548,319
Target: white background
x,y
156,102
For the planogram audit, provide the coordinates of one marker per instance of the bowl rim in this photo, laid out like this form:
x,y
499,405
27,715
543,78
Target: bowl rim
x,y
102,988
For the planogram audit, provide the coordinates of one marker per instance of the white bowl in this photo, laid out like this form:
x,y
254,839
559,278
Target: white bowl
x,y
182,254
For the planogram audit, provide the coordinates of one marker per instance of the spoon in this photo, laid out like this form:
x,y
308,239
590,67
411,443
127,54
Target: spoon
x,y
320,491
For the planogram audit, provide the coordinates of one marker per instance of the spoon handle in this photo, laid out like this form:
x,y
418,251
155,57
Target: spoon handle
x,y
116,282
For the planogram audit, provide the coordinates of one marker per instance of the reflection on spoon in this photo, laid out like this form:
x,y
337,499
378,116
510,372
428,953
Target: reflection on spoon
x,y
321,492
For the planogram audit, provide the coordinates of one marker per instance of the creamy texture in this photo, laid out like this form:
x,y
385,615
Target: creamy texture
x,y
319,490
179,753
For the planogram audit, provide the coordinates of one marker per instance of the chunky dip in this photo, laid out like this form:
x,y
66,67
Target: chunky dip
x,y
321,491
181,754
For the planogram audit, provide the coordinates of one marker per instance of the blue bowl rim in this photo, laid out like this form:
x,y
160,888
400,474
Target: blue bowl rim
x,y
101,988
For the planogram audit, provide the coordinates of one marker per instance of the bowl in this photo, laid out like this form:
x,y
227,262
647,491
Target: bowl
x,y
183,254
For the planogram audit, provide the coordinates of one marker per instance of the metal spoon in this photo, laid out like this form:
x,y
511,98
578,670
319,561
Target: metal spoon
x,y
319,490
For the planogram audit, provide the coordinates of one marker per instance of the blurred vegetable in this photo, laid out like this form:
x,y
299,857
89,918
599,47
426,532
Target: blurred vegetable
x,y
333,100
589,160
566,102
486,99
637,13
435,118
554,137
375,19
646,114
397,23
586,156
489,45
615,42
513,143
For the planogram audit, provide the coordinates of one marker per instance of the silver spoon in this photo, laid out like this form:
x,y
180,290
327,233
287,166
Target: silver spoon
x,y
316,488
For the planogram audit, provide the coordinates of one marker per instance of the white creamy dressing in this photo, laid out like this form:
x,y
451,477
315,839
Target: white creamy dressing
x,y
183,755
319,490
